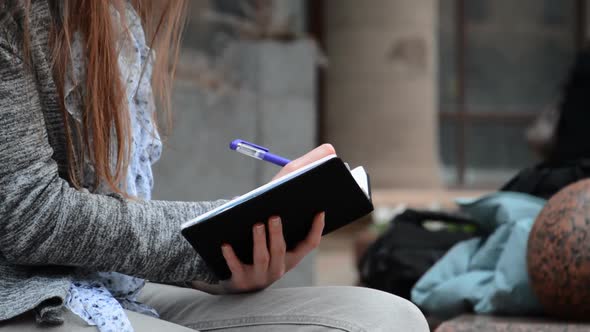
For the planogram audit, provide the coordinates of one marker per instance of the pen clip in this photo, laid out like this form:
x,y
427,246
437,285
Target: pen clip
x,y
235,143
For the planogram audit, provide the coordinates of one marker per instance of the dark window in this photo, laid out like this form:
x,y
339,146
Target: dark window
x,y
501,62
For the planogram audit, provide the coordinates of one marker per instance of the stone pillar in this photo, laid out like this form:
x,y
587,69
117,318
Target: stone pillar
x,y
380,90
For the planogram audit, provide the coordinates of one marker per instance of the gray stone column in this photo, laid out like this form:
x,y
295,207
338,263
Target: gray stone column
x,y
380,93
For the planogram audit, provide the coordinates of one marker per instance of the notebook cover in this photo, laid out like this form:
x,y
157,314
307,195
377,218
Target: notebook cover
x,y
328,187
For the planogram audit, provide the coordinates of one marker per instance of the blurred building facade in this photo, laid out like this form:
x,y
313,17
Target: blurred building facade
x,y
430,92
424,93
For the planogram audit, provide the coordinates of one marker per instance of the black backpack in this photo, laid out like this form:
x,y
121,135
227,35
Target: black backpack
x,y
412,243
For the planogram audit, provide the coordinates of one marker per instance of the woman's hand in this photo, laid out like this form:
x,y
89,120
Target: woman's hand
x,y
271,261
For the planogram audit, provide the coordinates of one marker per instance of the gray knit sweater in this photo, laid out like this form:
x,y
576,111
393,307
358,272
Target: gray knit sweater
x,y
48,228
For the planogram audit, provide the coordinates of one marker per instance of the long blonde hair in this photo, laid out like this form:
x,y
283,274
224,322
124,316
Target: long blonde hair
x,y
105,109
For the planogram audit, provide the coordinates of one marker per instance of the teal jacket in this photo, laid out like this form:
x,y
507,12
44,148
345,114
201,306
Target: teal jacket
x,y
485,275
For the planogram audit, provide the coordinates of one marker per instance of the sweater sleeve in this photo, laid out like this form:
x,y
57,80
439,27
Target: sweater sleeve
x,y
44,221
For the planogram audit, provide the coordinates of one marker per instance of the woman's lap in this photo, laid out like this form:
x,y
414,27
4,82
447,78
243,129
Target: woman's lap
x,y
286,309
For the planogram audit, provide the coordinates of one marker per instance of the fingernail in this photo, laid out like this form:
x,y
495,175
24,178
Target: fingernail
x,y
259,228
275,221
224,248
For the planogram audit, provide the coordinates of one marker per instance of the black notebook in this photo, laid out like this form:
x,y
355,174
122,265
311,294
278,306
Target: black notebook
x,y
325,185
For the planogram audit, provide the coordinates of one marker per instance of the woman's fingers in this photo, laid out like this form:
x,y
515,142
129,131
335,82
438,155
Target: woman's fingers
x,y
277,249
311,242
260,254
271,261
318,153
233,262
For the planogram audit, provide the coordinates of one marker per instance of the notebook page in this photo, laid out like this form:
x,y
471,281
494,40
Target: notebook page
x,y
360,176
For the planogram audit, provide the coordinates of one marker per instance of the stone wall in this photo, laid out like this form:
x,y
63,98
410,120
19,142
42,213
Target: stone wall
x,y
272,103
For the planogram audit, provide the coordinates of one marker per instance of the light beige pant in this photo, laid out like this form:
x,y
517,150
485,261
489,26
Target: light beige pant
x,y
303,309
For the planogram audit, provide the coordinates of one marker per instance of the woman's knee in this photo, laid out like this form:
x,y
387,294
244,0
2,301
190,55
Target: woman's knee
x,y
375,310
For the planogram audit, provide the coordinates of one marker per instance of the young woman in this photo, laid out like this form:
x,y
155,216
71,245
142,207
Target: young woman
x,y
77,142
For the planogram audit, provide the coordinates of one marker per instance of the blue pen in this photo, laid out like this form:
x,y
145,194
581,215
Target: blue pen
x,y
258,152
